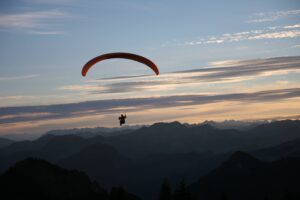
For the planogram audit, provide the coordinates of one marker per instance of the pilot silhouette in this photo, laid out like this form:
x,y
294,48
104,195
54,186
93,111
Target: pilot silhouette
x,y
122,119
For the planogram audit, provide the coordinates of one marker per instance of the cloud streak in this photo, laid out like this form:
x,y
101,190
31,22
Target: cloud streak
x,y
23,77
61,111
51,2
220,72
290,31
35,22
272,16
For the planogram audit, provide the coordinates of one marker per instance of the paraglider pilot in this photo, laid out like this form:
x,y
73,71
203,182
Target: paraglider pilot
x,y
122,119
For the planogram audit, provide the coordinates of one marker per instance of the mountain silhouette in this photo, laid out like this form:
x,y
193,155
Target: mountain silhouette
x,y
60,147
140,159
176,138
240,161
165,138
49,147
5,142
21,150
93,132
26,145
274,133
145,176
286,149
245,177
101,161
38,179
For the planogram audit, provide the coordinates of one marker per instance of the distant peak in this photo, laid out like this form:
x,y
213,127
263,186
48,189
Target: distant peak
x,y
46,137
208,122
239,155
208,126
240,159
32,164
167,124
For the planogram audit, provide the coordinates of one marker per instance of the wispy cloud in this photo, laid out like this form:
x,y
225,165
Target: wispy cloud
x,y
15,100
276,35
81,87
271,16
24,115
290,31
292,26
46,32
224,63
219,72
22,77
50,112
296,46
35,22
51,2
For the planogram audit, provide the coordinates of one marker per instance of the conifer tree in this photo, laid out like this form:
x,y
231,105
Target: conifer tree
x,y
165,191
181,193
224,196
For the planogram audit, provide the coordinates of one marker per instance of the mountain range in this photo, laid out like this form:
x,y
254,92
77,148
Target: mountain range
x,y
139,159
245,177
38,179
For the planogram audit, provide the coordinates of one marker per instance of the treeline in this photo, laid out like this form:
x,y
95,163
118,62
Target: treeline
x,y
182,193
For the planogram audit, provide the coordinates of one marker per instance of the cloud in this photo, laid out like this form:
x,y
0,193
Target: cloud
x,y
272,32
35,22
296,46
12,78
292,26
81,87
15,97
276,35
268,33
51,2
272,16
224,63
46,32
61,111
187,85
219,72
25,115
132,86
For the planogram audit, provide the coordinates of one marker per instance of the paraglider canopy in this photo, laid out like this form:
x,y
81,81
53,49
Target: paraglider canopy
x,y
129,56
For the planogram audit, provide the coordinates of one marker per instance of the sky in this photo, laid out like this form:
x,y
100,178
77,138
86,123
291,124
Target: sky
x,y
218,60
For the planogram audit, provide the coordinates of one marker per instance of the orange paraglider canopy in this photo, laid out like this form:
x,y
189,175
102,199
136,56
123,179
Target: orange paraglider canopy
x,y
129,56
